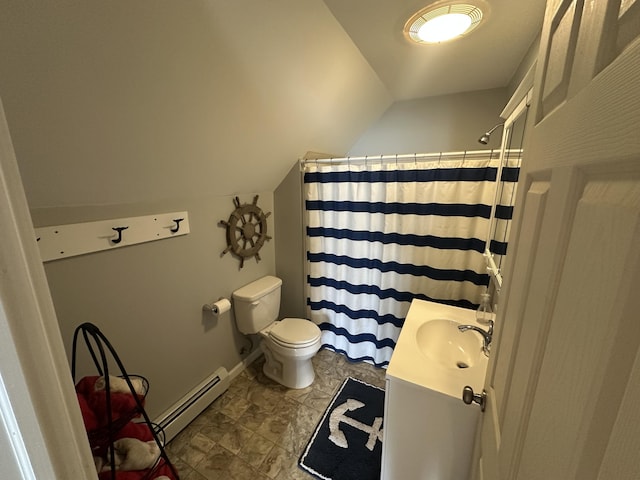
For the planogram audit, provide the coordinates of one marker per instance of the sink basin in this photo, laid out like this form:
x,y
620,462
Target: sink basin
x,y
432,353
441,342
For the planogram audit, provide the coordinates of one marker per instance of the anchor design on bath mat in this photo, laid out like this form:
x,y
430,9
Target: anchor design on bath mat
x,y
338,416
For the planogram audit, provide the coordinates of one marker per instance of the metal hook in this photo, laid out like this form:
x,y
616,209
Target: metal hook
x,y
177,227
464,156
439,159
119,230
396,161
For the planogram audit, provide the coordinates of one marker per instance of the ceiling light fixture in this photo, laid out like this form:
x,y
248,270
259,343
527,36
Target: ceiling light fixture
x,y
443,21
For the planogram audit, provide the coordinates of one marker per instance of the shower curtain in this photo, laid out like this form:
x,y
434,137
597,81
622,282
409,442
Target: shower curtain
x,y
380,234
504,204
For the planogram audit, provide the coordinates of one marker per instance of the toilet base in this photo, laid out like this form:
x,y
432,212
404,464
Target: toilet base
x,y
293,372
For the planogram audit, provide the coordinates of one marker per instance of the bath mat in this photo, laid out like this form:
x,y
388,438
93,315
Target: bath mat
x,y
347,443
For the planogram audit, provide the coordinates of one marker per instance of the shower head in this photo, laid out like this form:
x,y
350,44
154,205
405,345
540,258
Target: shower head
x,y
484,139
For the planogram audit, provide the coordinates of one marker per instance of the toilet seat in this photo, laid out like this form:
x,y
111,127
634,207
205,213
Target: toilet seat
x,y
293,333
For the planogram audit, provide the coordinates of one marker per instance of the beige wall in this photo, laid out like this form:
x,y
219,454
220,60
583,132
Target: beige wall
x,y
124,108
290,251
147,298
527,62
434,124
125,102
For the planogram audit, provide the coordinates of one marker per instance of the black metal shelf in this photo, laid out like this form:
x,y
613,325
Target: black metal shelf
x,y
102,438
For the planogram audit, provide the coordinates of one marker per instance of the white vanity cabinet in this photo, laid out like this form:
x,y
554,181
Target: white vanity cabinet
x,y
428,430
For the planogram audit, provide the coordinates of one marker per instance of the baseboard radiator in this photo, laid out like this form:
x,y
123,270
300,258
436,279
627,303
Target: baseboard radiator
x,y
193,403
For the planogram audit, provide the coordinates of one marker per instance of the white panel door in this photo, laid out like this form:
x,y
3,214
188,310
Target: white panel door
x,y
42,431
564,374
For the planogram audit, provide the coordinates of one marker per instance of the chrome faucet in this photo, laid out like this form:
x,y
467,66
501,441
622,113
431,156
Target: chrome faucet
x,y
486,335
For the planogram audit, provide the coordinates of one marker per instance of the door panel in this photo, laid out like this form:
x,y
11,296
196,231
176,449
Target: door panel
x,y
563,34
592,339
624,441
625,24
507,336
534,207
564,366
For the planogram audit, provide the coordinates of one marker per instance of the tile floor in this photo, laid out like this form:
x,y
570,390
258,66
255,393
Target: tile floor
x,y
257,429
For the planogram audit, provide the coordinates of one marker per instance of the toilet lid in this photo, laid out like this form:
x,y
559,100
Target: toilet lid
x,y
295,331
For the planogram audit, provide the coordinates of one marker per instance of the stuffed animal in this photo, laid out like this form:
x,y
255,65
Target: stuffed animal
x,y
119,385
133,454
99,463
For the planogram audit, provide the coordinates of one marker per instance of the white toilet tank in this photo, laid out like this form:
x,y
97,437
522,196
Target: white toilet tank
x,y
257,304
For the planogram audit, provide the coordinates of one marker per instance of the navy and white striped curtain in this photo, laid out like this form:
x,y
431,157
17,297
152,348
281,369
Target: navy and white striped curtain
x,y
505,200
383,233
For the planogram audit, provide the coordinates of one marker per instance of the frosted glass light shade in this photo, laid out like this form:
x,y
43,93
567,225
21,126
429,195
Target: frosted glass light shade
x,y
437,24
444,27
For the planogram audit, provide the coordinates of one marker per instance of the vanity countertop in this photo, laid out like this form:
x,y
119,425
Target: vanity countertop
x,y
408,362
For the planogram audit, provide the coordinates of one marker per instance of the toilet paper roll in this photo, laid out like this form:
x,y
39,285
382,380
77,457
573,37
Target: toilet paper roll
x,y
221,306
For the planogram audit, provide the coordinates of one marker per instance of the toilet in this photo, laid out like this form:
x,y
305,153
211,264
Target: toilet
x,y
288,344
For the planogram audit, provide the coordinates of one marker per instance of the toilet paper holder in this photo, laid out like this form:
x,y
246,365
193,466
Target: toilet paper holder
x,y
219,307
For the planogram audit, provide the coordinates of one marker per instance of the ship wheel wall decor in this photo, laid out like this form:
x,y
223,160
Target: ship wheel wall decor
x,y
246,230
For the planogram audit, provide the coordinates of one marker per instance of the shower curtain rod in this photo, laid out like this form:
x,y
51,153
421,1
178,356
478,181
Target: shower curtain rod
x,y
410,157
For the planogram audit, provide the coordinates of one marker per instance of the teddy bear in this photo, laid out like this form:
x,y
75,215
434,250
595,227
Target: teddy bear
x,y
133,454
119,385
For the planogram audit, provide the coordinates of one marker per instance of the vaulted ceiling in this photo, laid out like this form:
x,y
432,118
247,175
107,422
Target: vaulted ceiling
x,y
485,59
124,102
